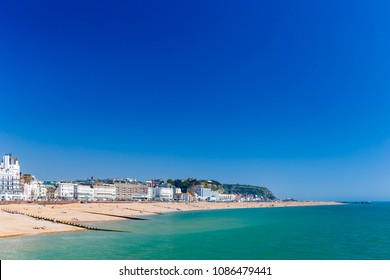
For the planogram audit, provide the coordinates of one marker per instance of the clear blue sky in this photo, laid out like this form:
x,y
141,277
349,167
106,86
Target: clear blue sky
x,y
293,95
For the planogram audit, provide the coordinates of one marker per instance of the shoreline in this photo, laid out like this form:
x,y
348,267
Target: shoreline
x,y
15,224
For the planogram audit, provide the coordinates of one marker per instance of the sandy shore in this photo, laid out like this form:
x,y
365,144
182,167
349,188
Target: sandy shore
x,y
12,224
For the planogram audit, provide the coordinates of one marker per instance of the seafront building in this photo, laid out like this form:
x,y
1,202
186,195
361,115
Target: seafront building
x,y
226,197
73,191
206,194
163,194
10,188
33,189
66,191
104,192
136,191
50,191
83,192
183,197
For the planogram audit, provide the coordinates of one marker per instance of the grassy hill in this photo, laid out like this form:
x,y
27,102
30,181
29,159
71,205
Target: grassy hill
x,y
244,190
249,190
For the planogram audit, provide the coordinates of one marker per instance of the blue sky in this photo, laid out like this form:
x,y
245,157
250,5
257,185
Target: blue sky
x,y
292,95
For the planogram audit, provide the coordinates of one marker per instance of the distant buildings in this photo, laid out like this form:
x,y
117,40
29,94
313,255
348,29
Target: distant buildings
x,y
226,197
17,186
206,194
112,192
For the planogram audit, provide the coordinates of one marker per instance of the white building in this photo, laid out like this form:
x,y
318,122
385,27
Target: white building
x,y
150,193
66,191
83,192
10,179
226,197
104,192
42,192
163,194
206,194
143,196
177,190
34,190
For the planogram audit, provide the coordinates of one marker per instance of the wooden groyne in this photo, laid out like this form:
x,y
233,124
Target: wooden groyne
x,y
60,221
144,211
117,216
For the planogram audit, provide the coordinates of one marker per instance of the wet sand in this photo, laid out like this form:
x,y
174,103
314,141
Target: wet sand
x,y
12,224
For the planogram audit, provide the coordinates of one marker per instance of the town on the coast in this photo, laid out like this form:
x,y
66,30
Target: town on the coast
x,y
18,186
30,206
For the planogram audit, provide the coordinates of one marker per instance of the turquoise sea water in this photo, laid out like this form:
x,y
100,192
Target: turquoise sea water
x,y
299,233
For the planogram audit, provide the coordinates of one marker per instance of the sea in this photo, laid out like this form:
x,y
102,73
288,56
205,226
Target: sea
x,y
342,232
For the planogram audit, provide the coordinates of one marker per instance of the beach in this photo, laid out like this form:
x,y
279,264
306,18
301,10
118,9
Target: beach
x,y
29,218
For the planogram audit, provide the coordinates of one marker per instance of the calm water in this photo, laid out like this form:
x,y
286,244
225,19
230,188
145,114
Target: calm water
x,y
321,232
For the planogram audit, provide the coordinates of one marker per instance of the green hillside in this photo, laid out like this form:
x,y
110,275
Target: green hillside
x,y
188,185
249,190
